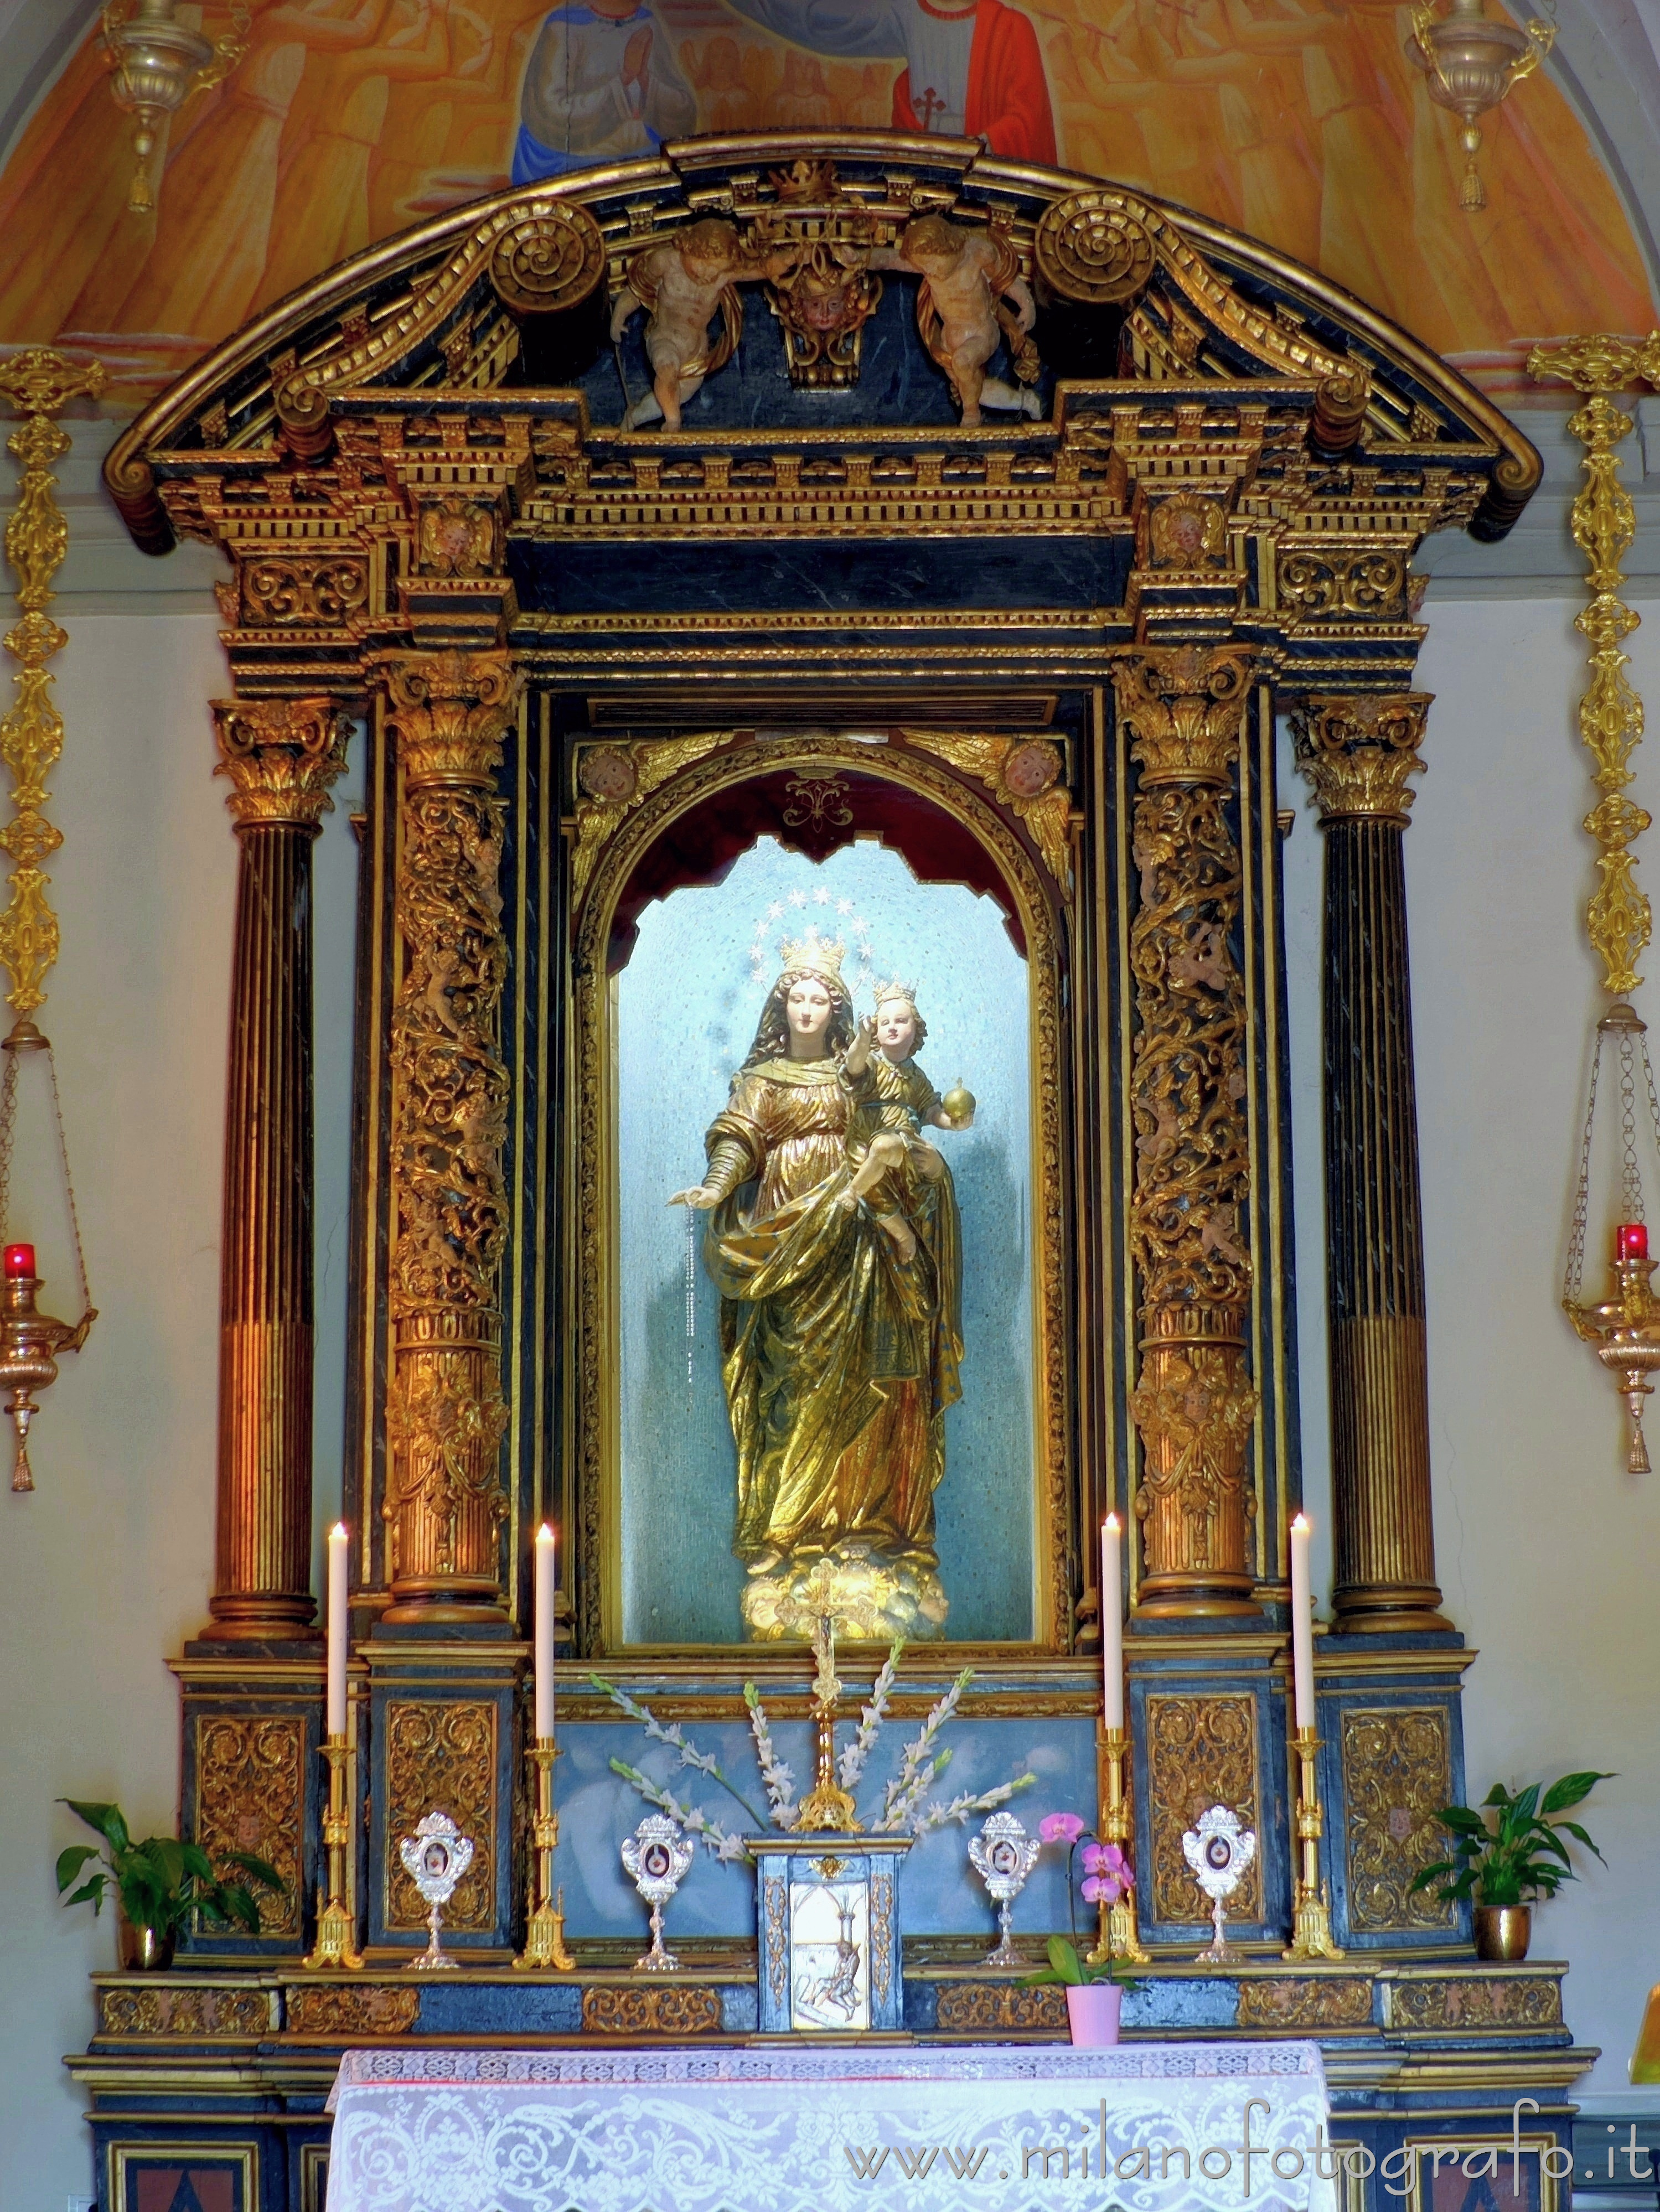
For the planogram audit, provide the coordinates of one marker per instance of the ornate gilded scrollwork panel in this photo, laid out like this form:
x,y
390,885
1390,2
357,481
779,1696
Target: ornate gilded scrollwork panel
x,y
1202,1751
999,2007
1193,1402
251,1796
684,2009
351,2010
1397,1773
1289,2004
446,1416
441,1757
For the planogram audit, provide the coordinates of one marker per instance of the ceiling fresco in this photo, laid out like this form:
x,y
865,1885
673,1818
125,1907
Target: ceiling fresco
x,y
1299,122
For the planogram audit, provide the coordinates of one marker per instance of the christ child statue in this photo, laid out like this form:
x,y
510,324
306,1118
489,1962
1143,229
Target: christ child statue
x,y
894,1099
681,284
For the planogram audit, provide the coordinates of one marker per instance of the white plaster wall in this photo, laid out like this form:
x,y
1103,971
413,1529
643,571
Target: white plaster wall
x,y
105,1571
1546,1547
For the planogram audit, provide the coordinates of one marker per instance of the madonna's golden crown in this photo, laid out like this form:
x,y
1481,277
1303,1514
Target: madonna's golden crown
x,y
813,955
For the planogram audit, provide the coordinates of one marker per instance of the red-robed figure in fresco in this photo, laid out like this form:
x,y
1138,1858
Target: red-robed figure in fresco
x,y
971,72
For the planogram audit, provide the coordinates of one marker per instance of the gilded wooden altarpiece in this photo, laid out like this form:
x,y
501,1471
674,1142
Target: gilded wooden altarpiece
x,y
1066,636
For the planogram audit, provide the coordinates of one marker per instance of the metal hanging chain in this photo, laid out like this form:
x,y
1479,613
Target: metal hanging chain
x,y
1576,1269
1630,1178
69,1182
8,1137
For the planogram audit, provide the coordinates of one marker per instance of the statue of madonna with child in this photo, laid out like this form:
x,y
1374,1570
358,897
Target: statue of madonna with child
x,y
834,1241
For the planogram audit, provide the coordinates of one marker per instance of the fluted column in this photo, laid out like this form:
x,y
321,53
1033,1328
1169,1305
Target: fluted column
x,y
281,756
1194,1401
1358,752
446,1417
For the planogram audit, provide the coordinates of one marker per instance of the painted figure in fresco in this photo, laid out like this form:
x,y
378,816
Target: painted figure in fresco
x,y
966,276
682,284
602,86
973,71
841,1343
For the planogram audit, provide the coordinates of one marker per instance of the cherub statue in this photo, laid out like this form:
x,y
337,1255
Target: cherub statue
x,y
680,284
966,276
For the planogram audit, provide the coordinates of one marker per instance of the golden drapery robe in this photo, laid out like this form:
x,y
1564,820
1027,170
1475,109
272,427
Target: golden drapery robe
x,y
839,1358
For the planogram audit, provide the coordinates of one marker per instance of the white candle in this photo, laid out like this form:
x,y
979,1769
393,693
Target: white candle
x,y
1112,1625
339,1628
1302,1623
544,1631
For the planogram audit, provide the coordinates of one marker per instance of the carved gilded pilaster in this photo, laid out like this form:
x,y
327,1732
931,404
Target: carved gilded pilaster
x,y
1358,753
446,1416
1193,1402
281,756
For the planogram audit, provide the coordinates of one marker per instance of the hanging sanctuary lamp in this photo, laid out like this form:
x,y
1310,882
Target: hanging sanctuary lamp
x,y
1470,60
39,384
156,64
1624,1328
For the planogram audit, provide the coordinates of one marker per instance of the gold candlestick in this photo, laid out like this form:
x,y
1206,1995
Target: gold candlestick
x,y
1120,1937
545,1933
1311,1933
334,1917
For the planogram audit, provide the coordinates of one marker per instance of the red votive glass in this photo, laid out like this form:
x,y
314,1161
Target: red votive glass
x,y
1631,1242
20,1259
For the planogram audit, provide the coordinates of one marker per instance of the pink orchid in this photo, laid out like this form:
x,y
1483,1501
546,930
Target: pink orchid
x,y
1103,1889
1107,1860
1060,1827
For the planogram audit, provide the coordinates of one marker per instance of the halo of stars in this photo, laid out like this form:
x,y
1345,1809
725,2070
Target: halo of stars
x,y
819,907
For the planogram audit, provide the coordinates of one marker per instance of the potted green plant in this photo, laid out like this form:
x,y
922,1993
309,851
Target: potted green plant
x,y
1505,1865
159,1883
1095,1989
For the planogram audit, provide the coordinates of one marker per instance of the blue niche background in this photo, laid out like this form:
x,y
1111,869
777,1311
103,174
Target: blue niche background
x,y
687,1006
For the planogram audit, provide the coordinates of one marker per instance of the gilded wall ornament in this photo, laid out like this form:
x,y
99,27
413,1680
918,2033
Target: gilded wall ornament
x,y
39,384
1618,919
972,2007
1357,751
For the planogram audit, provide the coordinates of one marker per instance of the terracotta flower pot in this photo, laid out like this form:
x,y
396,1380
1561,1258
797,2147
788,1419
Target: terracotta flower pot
x,y
141,1950
1092,2007
1502,1931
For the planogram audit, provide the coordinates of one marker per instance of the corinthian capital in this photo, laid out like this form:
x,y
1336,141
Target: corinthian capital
x,y
1358,750
1182,705
281,755
450,711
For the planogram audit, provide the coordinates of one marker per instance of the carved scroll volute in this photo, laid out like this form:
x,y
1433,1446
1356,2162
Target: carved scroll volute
x,y
446,1417
1193,1402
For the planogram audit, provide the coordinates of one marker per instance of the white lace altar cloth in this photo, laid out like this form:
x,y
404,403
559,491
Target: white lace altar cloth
x,y
785,2129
